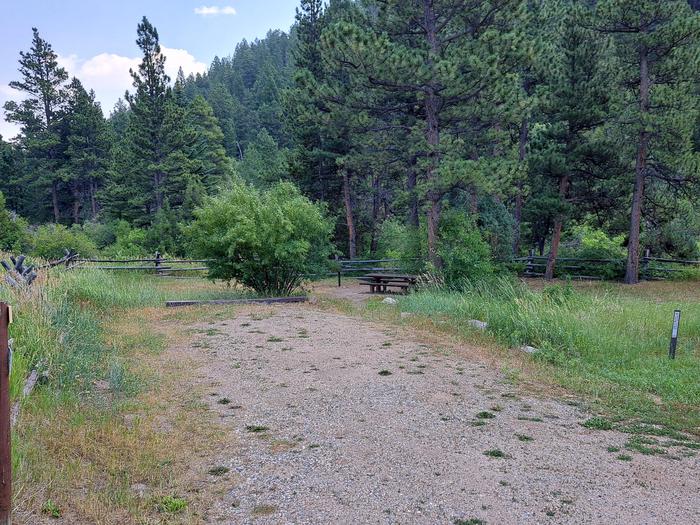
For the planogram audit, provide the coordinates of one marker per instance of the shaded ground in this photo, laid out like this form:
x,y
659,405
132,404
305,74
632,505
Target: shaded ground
x,y
338,420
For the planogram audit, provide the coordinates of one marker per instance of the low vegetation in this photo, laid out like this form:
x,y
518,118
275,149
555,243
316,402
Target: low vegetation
x,y
87,443
605,341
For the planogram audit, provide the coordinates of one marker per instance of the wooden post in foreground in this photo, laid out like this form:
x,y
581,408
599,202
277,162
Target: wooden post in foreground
x,y
5,436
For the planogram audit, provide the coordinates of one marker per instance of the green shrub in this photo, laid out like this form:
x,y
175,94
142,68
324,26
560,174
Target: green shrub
x,y
585,242
51,240
264,239
464,253
13,230
396,240
128,241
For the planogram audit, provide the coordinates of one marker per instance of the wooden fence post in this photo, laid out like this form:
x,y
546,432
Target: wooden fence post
x,y
5,435
645,264
529,268
158,259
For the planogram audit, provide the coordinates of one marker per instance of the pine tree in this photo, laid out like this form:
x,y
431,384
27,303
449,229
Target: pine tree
x,y
212,166
576,106
43,83
87,148
657,48
148,111
444,62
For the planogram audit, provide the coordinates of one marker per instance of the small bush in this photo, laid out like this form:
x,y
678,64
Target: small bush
x,y
13,230
51,240
464,253
264,239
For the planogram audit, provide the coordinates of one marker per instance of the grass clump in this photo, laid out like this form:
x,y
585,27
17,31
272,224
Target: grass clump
x,y
219,471
485,414
384,373
172,504
598,423
51,509
495,453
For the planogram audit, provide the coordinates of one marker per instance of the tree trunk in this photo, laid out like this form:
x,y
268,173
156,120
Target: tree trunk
x,y
352,234
411,183
376,204
54,200
632,271
157,181
432,110
518,212
556,234
93,200
433,228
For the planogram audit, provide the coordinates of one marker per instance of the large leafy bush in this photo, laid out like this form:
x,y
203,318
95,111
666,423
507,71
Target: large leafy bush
x,y
264,239
465,255
13,230
51,240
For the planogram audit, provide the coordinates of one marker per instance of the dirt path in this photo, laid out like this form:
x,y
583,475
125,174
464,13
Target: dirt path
x,y
338,420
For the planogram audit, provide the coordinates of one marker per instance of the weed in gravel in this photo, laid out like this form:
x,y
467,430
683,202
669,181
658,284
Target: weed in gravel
x,y
386,343
469,521
598,423
224,401
172,504
613,449
50,509
303,333
496,453
256,429
274,339
534,419
287,349
478,423
245,324
567,501
624,457
485,415
384,373
314,445
504,483
496,408
523,437
218,471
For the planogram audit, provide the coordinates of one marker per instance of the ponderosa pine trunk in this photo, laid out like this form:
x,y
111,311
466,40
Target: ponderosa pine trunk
x,y
349,217
54,201
432,109
411,183
632,270
518,211
556,234
376,204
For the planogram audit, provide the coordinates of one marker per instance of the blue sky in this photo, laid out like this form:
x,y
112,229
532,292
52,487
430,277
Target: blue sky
x,y
95,39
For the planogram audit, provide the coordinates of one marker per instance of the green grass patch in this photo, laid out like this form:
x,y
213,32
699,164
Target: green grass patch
x,y
606,341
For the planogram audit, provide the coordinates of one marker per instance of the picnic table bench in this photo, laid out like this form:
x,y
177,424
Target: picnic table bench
x,y
381,282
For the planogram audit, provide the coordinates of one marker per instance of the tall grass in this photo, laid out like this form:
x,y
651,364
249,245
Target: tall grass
x,y
597,341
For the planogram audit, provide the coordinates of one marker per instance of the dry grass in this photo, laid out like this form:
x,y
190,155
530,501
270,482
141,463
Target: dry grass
x,y
112,460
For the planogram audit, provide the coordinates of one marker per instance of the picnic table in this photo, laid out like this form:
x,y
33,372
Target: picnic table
x,y
381,282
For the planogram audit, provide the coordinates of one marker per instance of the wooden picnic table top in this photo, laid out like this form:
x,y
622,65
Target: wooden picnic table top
x,y
379,277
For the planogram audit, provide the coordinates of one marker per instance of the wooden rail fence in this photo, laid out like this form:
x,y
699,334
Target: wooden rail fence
x,y
651,268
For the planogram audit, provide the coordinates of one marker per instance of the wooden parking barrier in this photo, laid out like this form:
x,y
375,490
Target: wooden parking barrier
x,y
5,425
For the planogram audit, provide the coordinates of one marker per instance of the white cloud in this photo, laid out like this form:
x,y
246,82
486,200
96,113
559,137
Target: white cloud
x,y
108,74
214,10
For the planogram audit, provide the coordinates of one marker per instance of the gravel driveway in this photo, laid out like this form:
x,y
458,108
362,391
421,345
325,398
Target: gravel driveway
x,y
344,421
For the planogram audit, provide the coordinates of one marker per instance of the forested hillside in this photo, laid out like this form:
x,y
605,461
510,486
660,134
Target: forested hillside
x,y
447,130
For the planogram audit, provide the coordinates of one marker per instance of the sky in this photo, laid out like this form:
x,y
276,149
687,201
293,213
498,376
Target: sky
x,y
95,39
